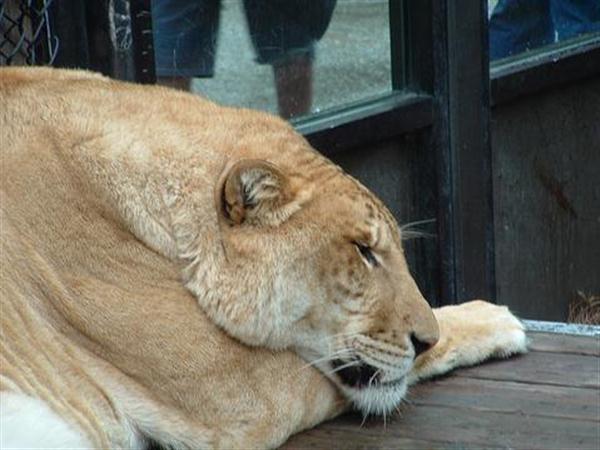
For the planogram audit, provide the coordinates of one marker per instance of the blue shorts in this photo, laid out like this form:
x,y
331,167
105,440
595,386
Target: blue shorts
x,y
185,32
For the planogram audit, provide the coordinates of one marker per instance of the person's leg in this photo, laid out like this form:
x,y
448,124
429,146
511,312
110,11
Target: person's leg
x,y
294,82
519,25
574,17
284,33
185,35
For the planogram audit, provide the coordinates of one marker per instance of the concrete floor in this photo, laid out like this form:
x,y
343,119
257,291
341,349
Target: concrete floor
x,y
352,60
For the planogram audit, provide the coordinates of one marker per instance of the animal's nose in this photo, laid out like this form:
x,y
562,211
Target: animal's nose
x,y
356,374
419,345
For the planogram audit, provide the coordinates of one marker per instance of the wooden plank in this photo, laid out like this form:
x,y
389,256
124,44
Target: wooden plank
x,y
493,429
427,426
541,368
563,343
509,397
329,438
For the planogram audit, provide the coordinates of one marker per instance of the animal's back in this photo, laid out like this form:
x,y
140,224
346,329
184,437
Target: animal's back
x,y
96,325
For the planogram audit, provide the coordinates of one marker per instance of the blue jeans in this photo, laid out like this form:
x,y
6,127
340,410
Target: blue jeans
x,y
520,25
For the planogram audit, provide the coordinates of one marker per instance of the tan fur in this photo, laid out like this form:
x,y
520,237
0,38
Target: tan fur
x,y
116,196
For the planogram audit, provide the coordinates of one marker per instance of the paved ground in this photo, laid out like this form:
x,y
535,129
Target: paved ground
x,y
353,59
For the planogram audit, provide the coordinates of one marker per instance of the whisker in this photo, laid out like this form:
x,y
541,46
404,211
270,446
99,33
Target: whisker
x,y
365,415
410,234
407,397
373,377
355,362
407,233
331,356
415,223
379,362
399,407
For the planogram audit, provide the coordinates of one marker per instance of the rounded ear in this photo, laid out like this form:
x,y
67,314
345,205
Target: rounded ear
x,y
258,193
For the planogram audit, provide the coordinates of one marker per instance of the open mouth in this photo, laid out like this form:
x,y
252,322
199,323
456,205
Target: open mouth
x,y
357,374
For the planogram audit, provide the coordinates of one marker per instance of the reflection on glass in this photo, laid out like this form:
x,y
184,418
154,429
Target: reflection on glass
x,y
287,56
517,26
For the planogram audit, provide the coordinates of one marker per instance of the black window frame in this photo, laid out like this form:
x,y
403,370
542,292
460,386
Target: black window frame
x,y
545,68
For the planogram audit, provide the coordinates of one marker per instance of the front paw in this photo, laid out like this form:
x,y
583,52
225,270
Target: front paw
x,y
470,333
482,330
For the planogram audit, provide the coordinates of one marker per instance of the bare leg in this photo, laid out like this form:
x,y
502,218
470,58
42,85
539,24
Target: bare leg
x,y
293,81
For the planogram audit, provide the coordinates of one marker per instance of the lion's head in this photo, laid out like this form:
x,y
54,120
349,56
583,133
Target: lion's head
x,y
314,262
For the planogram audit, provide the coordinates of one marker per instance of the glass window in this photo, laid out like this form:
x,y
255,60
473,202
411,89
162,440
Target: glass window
x,y
518,26
290,57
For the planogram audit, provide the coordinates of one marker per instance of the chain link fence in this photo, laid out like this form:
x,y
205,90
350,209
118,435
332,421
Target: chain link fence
x,y
26,33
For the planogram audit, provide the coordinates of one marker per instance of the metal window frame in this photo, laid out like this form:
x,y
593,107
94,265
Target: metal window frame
x,y
545,68
463,152
143,42
367,122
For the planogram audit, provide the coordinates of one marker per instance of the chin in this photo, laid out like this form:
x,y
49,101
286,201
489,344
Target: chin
x,y
379,399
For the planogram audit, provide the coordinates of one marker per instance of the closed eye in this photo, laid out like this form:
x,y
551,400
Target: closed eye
x,y
367,254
